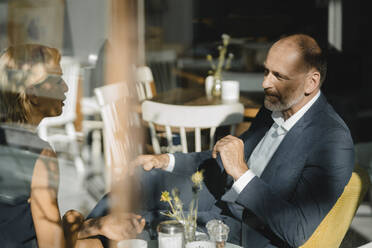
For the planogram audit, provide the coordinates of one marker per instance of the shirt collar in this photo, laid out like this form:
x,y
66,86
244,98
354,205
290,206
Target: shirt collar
x,y
278,118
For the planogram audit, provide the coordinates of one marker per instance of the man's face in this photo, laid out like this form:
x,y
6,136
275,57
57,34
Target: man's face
x,y
284,77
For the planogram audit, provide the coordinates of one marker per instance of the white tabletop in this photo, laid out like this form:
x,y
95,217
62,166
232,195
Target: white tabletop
x,y
154,244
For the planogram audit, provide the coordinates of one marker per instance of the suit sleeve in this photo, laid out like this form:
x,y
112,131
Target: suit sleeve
x,y
188,163
327,170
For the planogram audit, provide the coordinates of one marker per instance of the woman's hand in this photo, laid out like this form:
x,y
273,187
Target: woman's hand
x,y
71,223
72,220
121,226
113,226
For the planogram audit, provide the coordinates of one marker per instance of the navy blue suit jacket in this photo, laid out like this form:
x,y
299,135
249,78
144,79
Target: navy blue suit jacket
x,y
300,184
283,207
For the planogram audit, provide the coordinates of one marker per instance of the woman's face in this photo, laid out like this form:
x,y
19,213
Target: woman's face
x,y
50,92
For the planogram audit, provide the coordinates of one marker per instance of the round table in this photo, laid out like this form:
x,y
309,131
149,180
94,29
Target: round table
x,y
154,244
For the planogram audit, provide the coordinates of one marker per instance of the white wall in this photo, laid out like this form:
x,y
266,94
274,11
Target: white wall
x,y
177,22
3,25
88,24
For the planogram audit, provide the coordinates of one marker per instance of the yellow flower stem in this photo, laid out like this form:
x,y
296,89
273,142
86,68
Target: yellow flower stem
x,y
171,205
177,214
196,211
228,63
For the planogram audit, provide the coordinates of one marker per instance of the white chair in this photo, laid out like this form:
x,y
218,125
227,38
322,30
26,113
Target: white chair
x,y
111,93
108,94
144,82
60,130
111,98
187,118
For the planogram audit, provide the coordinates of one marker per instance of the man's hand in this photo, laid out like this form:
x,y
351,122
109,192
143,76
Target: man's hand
x,y
231,150
149,162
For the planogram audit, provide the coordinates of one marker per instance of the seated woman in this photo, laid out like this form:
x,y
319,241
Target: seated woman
x,y
31,88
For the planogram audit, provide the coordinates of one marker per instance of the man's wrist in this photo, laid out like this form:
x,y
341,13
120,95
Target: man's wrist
x,y
243,180
240,171
170,162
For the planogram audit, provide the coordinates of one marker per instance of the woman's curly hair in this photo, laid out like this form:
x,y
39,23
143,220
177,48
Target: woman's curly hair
x,y
16,75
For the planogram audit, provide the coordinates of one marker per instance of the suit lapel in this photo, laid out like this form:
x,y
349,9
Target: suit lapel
x,y
256,135
289,142
251,139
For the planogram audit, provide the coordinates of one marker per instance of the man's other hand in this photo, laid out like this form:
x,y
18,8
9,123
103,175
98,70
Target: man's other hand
x,y
231,150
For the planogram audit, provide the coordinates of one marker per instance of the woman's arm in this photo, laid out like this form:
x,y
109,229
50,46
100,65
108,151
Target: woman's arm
x,y
44,206
72,230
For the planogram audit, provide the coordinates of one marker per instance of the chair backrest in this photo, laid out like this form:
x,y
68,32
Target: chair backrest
x,y
111,99
71,69
121,128
189,117
111,93
107,96
144,81
334,226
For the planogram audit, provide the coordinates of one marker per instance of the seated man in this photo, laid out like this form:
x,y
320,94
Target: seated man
x,y
275,184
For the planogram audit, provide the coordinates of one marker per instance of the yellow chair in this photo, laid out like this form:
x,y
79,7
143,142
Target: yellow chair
x,y
334,226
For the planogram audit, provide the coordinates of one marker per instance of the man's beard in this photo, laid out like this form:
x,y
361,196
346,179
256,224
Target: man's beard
x,y
282,104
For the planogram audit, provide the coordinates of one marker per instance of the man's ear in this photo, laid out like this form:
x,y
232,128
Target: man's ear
x,y
312,82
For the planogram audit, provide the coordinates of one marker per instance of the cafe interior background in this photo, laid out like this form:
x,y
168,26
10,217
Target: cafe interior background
x,y
173,38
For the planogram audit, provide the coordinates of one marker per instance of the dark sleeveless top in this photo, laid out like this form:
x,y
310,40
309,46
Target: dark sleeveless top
x,y
19,150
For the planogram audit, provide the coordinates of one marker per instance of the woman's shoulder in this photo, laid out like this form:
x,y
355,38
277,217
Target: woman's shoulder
x,y
25,139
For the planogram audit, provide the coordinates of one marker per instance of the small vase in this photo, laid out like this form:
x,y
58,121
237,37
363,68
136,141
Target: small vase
x,y
217,87
209,81
189,232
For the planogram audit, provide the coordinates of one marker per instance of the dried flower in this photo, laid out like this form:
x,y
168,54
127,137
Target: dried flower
x,y
225,39
228,61
165,196
210,59
176,204
177,201
223,63
197,178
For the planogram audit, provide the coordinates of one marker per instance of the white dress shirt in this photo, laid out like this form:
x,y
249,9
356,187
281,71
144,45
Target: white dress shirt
x,y
264,151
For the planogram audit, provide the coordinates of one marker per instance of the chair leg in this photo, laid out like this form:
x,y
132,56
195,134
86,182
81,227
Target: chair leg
x,y
96,150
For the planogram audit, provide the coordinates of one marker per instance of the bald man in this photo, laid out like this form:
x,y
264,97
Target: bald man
x,y
275,183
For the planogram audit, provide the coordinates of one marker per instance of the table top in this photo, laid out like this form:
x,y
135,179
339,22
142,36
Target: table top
x,y
154,244
252,101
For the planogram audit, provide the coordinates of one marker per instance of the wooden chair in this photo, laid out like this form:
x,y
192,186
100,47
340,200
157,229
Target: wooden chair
x,y
334,226
144,83
106,95
187,118
111,99
111,93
